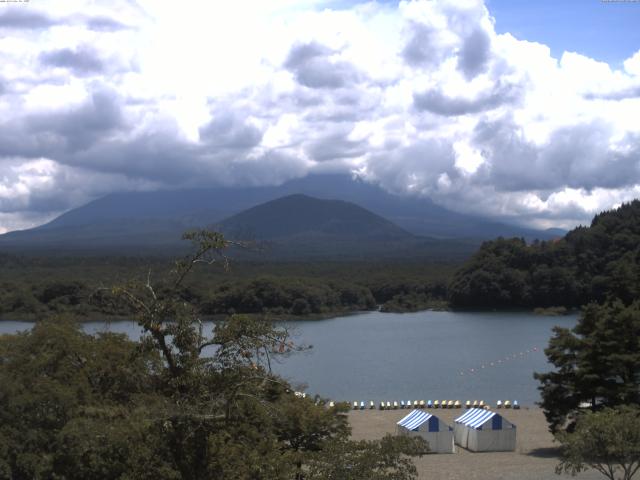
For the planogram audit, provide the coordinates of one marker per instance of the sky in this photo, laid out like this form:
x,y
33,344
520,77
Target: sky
x,y
527,112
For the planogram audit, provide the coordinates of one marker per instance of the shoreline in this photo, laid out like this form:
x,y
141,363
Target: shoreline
x,y
535,457
98,317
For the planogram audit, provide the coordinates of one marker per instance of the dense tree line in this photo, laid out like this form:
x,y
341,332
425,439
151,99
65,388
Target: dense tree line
x,y
33,287
589,264
288,296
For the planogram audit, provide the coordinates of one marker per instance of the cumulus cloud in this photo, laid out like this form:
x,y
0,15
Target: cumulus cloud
x,y
315,66
24,18
423,98
102,23
82,61
423,48
622,94
437,102
475,53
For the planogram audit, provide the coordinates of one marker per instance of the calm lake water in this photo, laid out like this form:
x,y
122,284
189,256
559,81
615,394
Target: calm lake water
x,y
425,355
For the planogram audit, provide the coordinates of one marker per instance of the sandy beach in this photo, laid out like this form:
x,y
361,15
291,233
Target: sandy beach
x,y
535,457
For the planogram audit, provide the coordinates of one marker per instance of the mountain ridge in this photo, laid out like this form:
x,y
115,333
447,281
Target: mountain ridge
x,y
156,219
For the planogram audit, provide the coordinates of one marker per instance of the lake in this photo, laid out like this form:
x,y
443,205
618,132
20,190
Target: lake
x,y
424,355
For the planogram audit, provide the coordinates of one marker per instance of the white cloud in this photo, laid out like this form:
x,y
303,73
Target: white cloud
x,y
424,98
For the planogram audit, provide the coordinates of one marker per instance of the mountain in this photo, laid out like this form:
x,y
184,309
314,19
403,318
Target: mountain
x,y
299,216
299,226
155,220
204,206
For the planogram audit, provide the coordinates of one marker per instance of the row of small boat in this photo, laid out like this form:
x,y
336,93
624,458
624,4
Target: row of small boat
x,y
420,404
430,404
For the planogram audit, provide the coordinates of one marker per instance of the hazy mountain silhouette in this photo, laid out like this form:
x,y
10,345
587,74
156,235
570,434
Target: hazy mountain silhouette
x,y
301,215
142,220
300,226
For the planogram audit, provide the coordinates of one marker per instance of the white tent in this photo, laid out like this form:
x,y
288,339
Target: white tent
x,y
431,428
482,430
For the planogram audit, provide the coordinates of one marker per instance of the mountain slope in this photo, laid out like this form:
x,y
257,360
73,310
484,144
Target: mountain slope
x,y
204,206
302,227
155,220
300,215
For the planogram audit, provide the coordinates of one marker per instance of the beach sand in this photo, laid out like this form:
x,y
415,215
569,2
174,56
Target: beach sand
x,y
535,457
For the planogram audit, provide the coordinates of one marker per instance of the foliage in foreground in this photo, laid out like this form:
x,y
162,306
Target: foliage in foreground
x,y
597,362
180,404
607,441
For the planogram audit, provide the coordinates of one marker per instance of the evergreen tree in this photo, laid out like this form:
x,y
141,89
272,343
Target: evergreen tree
x,y
597,362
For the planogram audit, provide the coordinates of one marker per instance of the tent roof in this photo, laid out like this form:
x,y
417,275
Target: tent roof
x,y
414,419
476,417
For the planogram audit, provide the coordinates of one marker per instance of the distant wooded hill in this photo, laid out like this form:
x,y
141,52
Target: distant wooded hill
x,y
152,222
588,264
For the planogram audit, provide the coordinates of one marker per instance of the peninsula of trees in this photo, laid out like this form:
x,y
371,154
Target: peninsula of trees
x,y
590,264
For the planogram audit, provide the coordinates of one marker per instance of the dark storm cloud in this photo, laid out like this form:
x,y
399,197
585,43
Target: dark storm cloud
x,y
475,53
302,53
436,102
156,155
345,106
422,49
78,128
227,131
414,167
271,168
335,146
313,67
632,92
578,157
82,61
24,19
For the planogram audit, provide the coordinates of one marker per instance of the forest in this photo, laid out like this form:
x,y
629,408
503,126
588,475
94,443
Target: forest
x,y
590,264
35,286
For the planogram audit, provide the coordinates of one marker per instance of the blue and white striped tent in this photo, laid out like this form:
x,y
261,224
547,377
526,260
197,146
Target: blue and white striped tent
x,y
438,434
482,430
